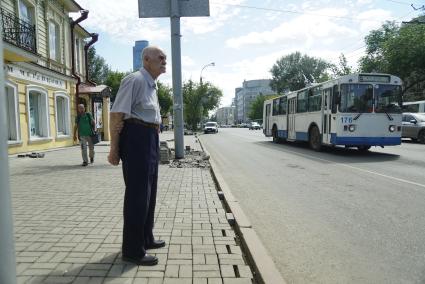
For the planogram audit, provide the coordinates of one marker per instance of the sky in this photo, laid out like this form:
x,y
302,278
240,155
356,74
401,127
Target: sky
x,y
244,38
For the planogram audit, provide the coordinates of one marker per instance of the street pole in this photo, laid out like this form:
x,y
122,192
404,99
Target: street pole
x,y
177,80
200,76
7,245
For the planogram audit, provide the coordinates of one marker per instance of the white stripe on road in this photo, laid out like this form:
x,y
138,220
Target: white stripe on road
x,y
333,162
362,170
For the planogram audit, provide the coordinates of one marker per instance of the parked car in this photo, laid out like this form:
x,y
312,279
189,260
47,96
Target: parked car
x,y
254,126
210,127
414,126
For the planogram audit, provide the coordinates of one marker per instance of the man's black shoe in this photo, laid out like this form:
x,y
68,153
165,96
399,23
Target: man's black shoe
x,y
147,260
84,164
155,244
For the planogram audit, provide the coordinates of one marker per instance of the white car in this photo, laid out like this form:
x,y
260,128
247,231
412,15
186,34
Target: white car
x,y
254,126
210,127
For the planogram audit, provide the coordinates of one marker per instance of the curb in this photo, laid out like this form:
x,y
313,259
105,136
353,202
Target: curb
x,y
265,270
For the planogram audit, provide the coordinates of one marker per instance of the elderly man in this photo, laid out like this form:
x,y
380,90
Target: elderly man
x,y
135,120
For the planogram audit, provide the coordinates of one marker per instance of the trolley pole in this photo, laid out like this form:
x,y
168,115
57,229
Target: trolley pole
x,y
7,244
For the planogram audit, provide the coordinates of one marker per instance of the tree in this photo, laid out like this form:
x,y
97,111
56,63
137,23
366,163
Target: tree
x,y
113,80
256,111
198,100
398,50
342,68
295,71
98,69
165,98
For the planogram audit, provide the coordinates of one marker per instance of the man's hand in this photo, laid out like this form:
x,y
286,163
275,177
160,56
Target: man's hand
x,y
115,126
113,157
75,138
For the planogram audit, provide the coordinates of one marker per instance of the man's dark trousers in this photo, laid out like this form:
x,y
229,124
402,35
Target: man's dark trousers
x,y
139,152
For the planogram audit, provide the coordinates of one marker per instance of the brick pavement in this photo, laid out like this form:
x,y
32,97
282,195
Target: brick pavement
x,y
68,224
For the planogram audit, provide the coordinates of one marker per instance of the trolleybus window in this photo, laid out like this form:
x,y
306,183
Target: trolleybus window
x,y
314,99
302,101
282,105
356,98
275,107
387,98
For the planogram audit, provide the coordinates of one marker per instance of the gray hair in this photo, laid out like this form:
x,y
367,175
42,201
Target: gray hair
x,y
148,50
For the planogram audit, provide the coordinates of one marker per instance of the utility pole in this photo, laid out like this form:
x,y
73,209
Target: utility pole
x,y
174,9
7,244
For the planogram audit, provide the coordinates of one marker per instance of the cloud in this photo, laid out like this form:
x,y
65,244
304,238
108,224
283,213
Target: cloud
x,y
304,28
122,24
373,19
220,13
187,61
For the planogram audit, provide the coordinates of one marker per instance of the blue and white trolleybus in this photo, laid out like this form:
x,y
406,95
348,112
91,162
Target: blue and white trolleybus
x,y
356,110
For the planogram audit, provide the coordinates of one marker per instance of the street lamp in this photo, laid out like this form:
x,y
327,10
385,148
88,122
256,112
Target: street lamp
x,y
209,64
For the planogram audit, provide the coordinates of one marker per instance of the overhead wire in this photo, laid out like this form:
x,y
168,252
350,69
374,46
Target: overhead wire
x,y
294,12
349,53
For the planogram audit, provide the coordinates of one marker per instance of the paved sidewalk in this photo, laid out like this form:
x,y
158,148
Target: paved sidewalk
x,y
68,223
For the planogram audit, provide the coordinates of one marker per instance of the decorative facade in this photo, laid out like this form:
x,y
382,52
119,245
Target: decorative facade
x,y
44,63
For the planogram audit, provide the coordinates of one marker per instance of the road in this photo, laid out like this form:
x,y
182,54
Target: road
x,y
338,216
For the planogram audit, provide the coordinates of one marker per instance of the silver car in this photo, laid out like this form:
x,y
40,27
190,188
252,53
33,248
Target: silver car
x,y
414,126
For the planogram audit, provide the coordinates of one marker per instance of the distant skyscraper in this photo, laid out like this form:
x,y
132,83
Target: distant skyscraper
x,y
137,53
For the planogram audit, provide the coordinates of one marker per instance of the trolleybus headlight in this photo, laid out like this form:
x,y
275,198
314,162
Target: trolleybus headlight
x,y
351,127
391,128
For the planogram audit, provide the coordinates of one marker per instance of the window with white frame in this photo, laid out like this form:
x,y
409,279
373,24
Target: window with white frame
x,y
26,12
62,114
12,113
54,41
38,113
78,55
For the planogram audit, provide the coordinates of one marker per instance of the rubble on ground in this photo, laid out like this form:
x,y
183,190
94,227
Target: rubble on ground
x,y
192,159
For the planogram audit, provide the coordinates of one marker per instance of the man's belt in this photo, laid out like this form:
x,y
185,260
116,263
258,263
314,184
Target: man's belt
x,y
141,122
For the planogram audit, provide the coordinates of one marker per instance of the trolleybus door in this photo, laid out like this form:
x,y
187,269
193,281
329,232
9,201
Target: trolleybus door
x,y
267,120
326,117
292,104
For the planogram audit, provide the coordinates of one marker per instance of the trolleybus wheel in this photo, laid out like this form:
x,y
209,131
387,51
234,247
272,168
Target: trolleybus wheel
x,y
274,133
363,148
314,139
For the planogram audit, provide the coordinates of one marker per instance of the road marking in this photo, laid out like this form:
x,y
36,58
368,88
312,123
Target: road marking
x,y
360,169
336,163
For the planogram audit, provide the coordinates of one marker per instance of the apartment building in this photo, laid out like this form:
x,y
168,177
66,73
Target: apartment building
x,y
225,116
45,67
246,95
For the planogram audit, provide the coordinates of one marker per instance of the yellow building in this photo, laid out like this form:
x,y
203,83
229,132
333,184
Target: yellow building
x,y
44,63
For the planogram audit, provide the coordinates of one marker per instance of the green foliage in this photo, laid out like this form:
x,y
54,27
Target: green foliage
x,y
198,100
342,68
165,98
98,69
295,71
113,80
400,51
256,111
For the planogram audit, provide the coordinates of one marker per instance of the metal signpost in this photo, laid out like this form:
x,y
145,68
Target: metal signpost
x,y
174,9
7,245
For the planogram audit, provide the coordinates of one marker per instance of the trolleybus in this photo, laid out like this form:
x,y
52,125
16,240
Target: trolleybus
x,y
356,110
